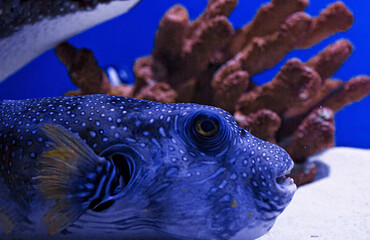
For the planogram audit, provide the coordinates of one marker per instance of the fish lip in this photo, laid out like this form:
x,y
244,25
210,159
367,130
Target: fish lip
x,y
284,183
282,193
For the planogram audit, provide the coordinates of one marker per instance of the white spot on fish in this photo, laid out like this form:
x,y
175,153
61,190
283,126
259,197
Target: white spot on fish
x,y
162,132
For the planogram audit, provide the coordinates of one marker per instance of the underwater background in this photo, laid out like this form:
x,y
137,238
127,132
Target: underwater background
x,y
120,41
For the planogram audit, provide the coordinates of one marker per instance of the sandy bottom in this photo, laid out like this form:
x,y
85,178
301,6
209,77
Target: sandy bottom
x,y
335,206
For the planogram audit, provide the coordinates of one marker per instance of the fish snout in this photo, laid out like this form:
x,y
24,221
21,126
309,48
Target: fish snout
x,y
269,165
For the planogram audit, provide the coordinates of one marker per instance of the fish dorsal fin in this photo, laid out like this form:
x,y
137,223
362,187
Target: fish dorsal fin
x,y
69,173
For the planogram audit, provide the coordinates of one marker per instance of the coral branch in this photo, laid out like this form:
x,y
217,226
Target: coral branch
x,y
276,12
292,88
84,71
217,8
228,89
329,60
206,61
264,53
82,68
159,92
297,31
214,9
263,124
351,91
210,36
335,18
143,72
315,133
170,37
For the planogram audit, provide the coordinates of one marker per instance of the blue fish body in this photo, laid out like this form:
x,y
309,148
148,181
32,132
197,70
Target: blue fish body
x,y
171,171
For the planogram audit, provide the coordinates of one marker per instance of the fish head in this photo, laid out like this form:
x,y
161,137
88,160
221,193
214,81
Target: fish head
x,y
204,173
182,171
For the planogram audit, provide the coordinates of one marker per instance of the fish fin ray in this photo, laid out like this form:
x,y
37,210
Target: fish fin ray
x,y
61,215
63,176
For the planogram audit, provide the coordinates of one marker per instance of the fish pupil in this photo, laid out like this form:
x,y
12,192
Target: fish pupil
x,y
207,126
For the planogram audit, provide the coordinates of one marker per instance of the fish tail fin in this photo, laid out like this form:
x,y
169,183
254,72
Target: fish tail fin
x,y
69,174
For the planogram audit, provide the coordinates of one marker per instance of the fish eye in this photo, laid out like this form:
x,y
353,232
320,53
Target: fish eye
x,y
206,131
206,126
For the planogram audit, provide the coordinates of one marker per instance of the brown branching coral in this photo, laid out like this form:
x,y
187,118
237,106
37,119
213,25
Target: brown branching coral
x,y
84,71
206,61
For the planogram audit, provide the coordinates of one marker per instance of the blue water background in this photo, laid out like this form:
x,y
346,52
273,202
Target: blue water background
x,y
123,39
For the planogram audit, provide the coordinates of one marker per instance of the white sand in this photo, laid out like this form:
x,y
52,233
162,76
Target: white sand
x,y
335,207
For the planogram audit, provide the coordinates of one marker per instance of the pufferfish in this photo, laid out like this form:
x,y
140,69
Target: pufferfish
x,y
112,167
30,27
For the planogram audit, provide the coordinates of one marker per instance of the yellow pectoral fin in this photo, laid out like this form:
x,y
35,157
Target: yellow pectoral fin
x,y
63,176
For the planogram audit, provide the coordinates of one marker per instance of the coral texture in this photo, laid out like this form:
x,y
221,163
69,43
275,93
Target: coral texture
x,y
208,62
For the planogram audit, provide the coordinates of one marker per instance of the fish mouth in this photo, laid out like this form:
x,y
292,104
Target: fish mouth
x,y
285,183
